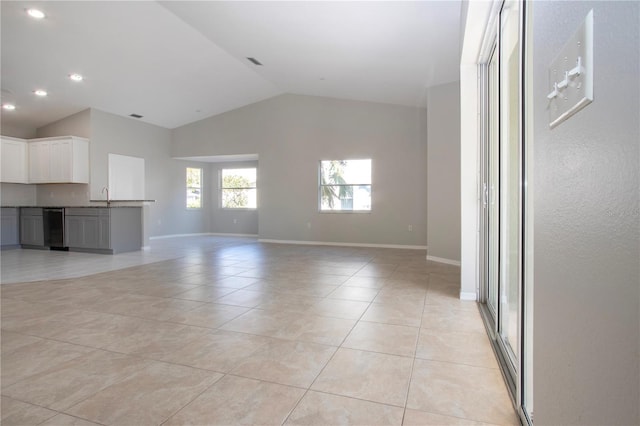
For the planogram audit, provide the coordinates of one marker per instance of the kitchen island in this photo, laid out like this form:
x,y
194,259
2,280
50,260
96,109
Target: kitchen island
x,y
107,230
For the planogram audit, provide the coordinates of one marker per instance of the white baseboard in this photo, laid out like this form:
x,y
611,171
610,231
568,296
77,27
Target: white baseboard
x,y
327,243
443,260
468,295
300,242
223,234
201,234
164,237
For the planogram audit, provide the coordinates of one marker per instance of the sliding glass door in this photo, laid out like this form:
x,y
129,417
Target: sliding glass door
x,y
502,216
510,182
491,185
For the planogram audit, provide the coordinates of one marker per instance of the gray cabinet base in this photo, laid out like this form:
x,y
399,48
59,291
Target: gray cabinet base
x,y
92,250
32,247
104,230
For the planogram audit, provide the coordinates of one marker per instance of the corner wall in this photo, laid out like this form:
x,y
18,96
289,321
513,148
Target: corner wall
x,y
18,132
164,176
78,124
443,173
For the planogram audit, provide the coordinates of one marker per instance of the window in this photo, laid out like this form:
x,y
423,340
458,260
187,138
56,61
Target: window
x,y
238,189
194,188
345,185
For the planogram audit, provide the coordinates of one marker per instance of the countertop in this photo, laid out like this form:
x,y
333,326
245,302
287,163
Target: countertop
x,y
103,206
123,201
119,203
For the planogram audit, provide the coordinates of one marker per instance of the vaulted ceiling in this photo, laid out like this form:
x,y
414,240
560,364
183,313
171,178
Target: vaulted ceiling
x,y
179,62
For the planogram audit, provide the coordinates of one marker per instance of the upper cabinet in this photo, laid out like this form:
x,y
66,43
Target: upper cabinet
x,y
39,162
59,160
46,160
13,155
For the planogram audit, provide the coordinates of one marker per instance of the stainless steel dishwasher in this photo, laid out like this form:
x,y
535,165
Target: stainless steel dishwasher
x,y
53,219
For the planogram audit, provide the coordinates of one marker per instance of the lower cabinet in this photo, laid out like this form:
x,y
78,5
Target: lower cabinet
x,y
103,230
87,231
10,231
31,227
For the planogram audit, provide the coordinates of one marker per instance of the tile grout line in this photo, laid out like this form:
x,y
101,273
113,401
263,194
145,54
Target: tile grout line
x,y
191,402
56,412
413,362
274,260
324,367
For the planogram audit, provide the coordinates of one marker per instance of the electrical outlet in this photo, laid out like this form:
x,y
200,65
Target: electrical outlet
x,y
308,225
235,220
410,228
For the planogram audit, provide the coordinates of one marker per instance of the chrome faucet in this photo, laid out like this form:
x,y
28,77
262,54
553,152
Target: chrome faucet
x,y
106,189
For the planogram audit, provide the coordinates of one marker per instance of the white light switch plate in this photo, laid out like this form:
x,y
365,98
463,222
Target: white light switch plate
x,y
568,94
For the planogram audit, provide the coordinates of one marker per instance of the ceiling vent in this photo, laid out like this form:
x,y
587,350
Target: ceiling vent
x,y
135,115
254,61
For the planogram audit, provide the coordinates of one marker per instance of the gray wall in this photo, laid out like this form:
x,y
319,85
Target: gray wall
x,y
17,132
443,179
78,124
292,133
222,220
164,176
587,225
17,194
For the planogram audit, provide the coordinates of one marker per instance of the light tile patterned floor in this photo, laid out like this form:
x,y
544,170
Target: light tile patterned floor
x,y
215,330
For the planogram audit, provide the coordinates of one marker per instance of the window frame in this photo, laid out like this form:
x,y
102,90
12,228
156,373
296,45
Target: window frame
x,y
222,188
353,185
188,188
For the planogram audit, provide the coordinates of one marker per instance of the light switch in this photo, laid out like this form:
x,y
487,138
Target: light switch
x,y
571,75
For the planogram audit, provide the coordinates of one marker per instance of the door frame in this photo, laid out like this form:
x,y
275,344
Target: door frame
x,y
518,379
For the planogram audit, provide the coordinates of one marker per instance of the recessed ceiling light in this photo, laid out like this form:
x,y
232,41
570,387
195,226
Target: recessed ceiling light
x,y
36,13
40,92
76,77
9,107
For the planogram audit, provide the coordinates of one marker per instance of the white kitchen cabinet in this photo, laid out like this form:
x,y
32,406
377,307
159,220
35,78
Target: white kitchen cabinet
x,y
61,156
13,153
59,160
39,162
